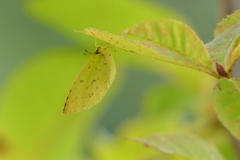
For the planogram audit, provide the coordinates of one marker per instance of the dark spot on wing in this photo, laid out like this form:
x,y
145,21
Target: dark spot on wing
x,y
64,108
65,104
81,81
91,94
89,67
93,81
74,99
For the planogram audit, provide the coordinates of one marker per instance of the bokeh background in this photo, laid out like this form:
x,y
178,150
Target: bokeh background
x,y
40,56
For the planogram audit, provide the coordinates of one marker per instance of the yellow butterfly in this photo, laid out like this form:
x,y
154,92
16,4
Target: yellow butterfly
x,y
92,83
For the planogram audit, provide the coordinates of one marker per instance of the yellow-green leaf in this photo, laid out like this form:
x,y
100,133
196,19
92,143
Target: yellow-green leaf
x,y
184,145
227,102
227,23
176,37
149,50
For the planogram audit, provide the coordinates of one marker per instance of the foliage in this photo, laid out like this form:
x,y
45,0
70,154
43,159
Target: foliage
x,y
181,144
33,127
174,42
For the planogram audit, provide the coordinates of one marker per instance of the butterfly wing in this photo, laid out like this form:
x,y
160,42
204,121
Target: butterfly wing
x,y
92,83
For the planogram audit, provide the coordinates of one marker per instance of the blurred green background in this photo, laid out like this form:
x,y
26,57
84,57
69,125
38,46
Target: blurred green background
x,y
41,55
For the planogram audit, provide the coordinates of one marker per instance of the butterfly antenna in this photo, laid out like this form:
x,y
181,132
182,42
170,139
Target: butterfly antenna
x,y
87,52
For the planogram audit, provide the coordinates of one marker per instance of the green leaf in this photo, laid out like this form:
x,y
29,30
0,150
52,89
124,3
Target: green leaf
x,y
149,50
227,102
227,23
184,145
174,36
220,49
